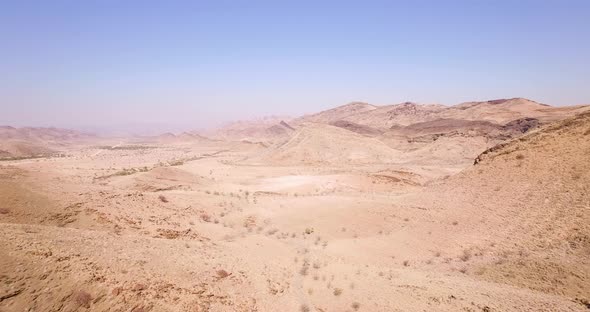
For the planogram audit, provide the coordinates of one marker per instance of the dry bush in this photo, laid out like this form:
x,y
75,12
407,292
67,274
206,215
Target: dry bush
x,y
466,255
520,156
455,222
205,217
337,291
139,287
163,199
304,270
117,290
83,299
356,306
138,308
223,273
177,163
304,308
406,263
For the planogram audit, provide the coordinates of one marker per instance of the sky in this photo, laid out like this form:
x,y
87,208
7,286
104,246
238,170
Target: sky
x,y
196,64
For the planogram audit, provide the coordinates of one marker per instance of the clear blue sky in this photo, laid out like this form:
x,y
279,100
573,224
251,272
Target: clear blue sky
x,y
196,63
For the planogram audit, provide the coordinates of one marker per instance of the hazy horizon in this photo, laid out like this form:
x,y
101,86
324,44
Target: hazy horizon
x,y
193,65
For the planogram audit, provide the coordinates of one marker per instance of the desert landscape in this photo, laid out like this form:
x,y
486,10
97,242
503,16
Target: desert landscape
x,y
479,206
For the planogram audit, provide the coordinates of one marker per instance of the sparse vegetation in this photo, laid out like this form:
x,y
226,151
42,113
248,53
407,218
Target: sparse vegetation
x,y
272,250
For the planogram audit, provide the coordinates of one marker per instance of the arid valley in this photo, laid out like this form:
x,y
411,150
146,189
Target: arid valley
x,y
480,206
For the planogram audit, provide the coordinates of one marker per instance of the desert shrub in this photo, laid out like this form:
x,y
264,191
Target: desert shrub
x,y
337,291
466,255
83,299
304,270
205,217
163,198
520,156
176,163
223,273
406,263
355,306
139,287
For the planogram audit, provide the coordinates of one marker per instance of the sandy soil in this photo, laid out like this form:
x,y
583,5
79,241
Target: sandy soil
x,y
226,226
